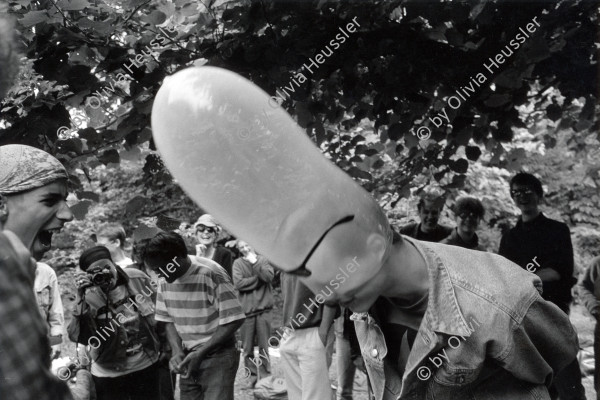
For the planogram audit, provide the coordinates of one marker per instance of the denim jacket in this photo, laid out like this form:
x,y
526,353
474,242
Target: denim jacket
x,y
512,345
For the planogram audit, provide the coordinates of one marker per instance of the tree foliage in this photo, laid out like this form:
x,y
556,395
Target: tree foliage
x,y
363,106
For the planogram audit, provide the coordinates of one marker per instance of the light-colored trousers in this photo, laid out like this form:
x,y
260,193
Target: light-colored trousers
x,y
304,363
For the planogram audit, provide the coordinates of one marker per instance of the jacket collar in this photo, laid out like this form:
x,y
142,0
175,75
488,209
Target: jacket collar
x,y
443,313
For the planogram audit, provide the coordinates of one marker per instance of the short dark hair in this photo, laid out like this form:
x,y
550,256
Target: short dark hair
x,y
165,246
526,179
469,204
139,249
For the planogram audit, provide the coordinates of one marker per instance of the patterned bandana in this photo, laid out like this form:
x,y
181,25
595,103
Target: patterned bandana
x,y
24,168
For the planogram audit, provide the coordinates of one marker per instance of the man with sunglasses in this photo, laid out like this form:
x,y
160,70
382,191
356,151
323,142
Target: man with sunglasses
x,y
207,232
543,246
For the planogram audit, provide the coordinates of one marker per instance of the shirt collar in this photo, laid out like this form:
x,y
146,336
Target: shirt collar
x,y
443,313
541,218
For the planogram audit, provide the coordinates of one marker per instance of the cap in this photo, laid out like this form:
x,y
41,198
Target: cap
x,y
92,255
206,220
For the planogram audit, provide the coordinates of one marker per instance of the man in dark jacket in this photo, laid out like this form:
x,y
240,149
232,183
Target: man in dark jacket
x,y
430,207
252,276
543,246
589,293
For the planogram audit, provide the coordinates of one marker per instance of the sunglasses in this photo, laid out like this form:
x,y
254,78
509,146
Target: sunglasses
x,y
202,228
521,192
301,270
465,215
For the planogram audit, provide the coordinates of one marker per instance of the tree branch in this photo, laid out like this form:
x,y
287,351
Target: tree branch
x,y
136,10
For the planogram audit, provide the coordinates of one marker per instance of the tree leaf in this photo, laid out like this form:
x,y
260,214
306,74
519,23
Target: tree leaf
x,y
73,5
554,112
461,166
109,156
33,18
80,209
473,152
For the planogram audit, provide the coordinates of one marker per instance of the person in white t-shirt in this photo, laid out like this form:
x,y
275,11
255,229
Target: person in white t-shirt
x,y
113,237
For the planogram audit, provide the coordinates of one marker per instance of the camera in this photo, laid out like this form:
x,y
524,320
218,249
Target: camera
x,y
101,278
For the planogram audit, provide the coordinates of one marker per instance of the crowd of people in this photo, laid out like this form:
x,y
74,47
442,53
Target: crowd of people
x,y
175,309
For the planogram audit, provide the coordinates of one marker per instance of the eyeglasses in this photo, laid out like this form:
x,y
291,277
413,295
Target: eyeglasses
x,y
466,214
521,192
203,228
301,270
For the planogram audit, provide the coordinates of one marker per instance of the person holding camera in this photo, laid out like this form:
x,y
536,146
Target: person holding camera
x,y
115,318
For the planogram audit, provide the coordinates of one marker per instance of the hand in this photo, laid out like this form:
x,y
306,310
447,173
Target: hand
x,y
175,361
82,281
200,249
191,363
55,351
251,258
231,243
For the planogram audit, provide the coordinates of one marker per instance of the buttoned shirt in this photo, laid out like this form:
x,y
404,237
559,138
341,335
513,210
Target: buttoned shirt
x,y
48,298
481,337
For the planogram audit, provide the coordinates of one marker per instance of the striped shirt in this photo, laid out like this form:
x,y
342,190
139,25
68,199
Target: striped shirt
x,y
198,302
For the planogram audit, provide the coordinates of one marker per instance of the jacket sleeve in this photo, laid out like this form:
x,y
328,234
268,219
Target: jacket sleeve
x,y
563,263
542,345
56,318
586,289
241,282
227,260
265,272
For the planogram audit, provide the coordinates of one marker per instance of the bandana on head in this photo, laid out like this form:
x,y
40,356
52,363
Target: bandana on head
x,y
90,256
24,168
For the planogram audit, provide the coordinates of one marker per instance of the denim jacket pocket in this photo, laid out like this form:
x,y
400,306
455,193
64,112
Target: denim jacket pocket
x,y
452,383
374,350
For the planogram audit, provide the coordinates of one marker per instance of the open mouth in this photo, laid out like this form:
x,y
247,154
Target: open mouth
x,y
45,237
